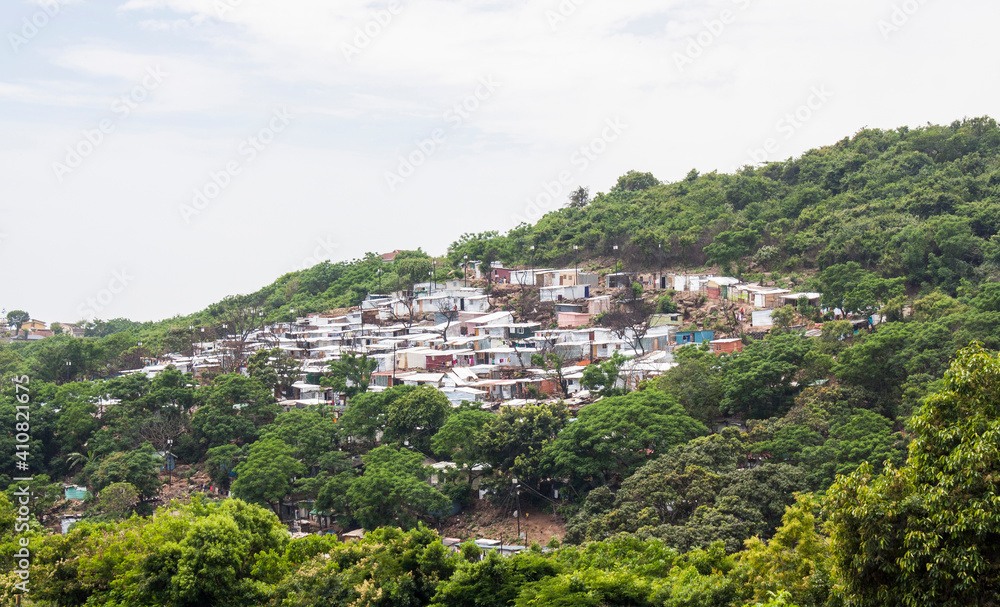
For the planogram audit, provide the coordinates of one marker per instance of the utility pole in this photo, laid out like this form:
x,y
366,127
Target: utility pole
x,y
519,514
170,469
532,266
576,264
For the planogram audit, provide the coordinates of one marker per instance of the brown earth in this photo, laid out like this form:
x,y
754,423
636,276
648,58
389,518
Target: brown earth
x,y
483,520
178,486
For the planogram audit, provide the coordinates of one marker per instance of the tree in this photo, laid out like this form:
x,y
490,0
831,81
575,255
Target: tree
x,y
457,439
332,497
879,364
387,567
927,533
350,375
579,198
493,582
267,475
311,434
855,290
697,494
17,318
170,392
448,307
365,417
246,394
603,377
732,246
393,490
139,468
201,553
233,408
614,436
512,442
869,295
783,318
862,437
76,423
696,382
42,494
634,181
552,364
414,419
760,381
275,369
118,499
243,316
629,318
215,425
221,461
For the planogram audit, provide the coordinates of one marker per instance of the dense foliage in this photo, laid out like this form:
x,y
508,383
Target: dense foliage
x,y
857,467
917,204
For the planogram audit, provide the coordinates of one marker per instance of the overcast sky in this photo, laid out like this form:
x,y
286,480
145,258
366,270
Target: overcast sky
x,y
158,155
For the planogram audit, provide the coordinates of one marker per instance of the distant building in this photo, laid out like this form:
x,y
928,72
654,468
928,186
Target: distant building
x,y
727,346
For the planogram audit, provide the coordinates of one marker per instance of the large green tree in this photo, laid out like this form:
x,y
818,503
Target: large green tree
x,y
614,436
458,437
139,468
602,377
233,409
416,418
268,474
275,369
696,383
761,381
17,318
393,490
512,442
928,533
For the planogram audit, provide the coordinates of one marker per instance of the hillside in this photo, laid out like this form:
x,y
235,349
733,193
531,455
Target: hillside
x,y
855,462
917,203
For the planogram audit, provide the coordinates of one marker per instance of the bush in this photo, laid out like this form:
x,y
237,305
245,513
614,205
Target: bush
x,y
459,493
666,304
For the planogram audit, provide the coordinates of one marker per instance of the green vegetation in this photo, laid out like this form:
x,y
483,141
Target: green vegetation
x,y
694,526
917,204
859,467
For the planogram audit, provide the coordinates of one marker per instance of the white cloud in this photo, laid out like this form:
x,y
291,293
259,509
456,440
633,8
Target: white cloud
x,y
560,78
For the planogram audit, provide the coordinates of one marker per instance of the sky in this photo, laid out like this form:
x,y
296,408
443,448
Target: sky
x,y
159,155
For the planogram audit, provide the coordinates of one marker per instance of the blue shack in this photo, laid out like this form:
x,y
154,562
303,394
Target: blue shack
x,y
694,337
169,463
